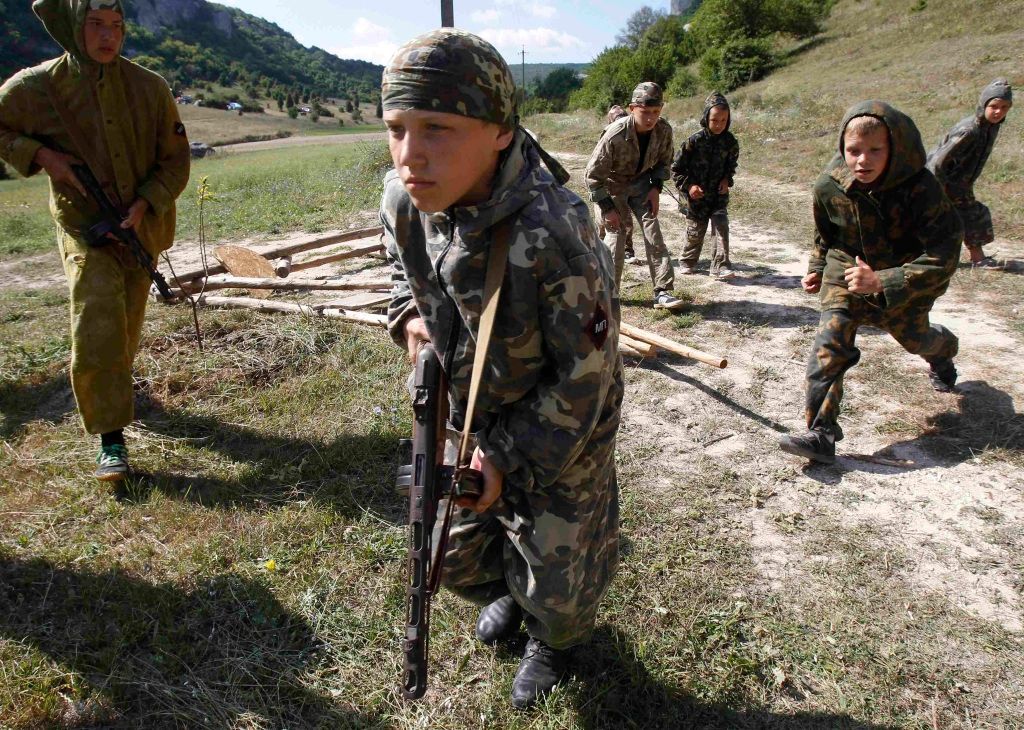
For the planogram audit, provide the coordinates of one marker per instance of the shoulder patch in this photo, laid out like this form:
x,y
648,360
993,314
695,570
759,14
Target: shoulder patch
x,y
179,129
597,327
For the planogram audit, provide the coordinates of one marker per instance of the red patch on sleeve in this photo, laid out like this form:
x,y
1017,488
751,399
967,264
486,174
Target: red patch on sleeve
x,y
597,327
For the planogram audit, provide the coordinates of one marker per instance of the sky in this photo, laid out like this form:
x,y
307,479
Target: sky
x,y
553,31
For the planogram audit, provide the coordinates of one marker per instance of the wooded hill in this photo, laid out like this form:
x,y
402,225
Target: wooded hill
x,y
194,42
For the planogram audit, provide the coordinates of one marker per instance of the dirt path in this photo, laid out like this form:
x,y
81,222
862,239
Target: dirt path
x,y
320,139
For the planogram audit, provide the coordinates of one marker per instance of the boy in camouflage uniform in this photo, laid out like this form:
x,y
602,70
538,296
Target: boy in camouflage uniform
x,y
129,134
615,112
887,244
703,173
625,175
959,159
541,542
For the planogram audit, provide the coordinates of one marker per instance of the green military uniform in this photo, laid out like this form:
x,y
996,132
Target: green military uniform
x,y
620,176
905,229
549,403
961,156
705,159
136,148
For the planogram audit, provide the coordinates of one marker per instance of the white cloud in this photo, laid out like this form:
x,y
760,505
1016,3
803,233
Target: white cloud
x,y
485,16
367,41
535,8
536,40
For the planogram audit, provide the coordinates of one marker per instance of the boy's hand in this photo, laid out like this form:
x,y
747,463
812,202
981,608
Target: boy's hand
x,y
862,279
811,283
654,201
493,482
58,167
723,187
696,192
612,221
415,334
135,213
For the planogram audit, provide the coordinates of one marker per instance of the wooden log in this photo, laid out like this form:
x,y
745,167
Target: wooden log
x,y
262,305
242,282
642,349
672,346
340,256
290,249
283,266
627,350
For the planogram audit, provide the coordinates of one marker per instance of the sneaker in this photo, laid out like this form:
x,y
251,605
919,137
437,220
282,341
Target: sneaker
x,y
499,620
112,463
541,669
684,269
815,445
629,258
664,300
725,273
942,373
987,263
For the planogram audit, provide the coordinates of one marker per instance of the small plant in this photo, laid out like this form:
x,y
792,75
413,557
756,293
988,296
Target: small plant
x,y
918,6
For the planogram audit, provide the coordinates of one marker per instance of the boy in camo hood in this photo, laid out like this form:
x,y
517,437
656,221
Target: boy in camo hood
x,y
129,134
703,172
887,243
541,543
959,159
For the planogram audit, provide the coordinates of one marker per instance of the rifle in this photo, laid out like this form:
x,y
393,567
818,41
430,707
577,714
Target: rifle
x,y
427,480
110,224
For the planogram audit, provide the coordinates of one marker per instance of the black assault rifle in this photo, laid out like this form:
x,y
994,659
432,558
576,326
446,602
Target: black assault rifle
x,y
110,224
427,480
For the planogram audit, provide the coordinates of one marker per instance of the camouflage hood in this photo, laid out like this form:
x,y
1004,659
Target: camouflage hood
x,y
906,150
998,89
64,20
715,99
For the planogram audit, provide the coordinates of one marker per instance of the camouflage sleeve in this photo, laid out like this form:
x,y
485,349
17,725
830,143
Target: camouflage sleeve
x,y
948,160
401,307
17,149
660,172
823,232
938,228
598,169
681,167
533,439
732,160
168,176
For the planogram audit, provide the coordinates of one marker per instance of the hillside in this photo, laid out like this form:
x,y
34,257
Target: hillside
x,y
191,42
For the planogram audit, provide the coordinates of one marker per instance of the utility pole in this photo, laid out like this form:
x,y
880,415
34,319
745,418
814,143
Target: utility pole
x,y
522,54
447,14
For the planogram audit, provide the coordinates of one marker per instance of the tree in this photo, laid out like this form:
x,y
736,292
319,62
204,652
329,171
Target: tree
x,y
636,25
348,105
357,116
293,112
722,21
380,109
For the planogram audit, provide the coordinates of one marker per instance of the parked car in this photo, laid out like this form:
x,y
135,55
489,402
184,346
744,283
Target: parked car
x,y
234,106
201,149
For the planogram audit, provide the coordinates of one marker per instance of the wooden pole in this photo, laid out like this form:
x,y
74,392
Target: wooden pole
x,y
341,256
447,14
262,305
244,282
672,346
639,348
283,266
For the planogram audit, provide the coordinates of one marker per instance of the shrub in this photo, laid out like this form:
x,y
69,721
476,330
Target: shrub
x,y
736,63
293,112
682,84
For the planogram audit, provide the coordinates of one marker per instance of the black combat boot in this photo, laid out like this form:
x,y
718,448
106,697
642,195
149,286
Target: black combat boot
x,y
943,375
540,670
816,445
499,620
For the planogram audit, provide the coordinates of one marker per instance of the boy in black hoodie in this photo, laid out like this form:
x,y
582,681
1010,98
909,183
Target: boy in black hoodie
x,y
703,172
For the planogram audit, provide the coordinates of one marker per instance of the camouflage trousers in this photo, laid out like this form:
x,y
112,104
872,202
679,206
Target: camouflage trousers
x,y
659,262
976,217
108,302
834,352
602,231
696,228
554,549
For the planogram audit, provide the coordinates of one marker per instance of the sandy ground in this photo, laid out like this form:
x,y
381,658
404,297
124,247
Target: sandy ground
x,y
946,514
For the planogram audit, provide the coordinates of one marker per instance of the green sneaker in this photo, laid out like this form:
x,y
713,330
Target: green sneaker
x,y
112,463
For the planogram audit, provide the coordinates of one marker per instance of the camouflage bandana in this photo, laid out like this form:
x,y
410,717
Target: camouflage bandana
x,y
114,5
451,71
647,93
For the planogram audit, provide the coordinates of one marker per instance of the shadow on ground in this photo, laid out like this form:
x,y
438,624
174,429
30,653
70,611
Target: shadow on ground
x,y
145,654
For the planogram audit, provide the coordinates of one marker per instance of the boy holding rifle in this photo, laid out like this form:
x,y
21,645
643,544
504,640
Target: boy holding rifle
x,y
540,544
93,107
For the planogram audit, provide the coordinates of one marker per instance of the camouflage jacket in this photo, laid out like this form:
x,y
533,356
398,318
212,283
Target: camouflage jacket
x,y
139,147
615,166
553,366
903,226
961,155
706,159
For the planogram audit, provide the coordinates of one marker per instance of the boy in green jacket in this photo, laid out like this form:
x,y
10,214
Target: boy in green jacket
x,y
887,244
128,132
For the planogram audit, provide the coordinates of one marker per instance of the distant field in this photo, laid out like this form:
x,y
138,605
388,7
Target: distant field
x,y
217,127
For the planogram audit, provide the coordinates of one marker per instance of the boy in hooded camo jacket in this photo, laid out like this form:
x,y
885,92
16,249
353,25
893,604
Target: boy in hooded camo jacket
x,y
137,149
540,545
703,172
887,243
959,159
